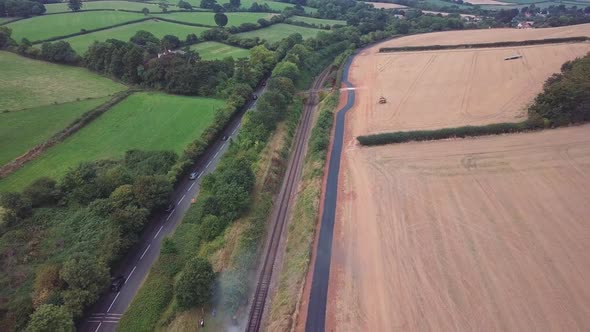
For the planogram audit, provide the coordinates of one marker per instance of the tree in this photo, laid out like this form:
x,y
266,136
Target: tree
x,y
286,69
143,38
60,52
51,318
262,57
208,4
170,42
145,11
85,272
75,5
42,191
221,19
16,207
194,287
5,33
163,6
184,5
152,192
235,4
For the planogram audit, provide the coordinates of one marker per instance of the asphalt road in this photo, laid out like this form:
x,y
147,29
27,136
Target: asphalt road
x,y
108,310
316,311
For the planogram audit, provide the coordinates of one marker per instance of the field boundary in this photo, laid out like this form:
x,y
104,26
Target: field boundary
x,y
71,129
485,45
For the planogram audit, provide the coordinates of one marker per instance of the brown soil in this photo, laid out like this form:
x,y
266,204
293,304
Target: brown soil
x,y
435,89
476,234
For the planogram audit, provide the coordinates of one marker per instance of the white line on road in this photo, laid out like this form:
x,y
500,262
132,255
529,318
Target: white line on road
x,y
135,267
191,187
146,249
199,175
209,163
233,132
170,215
181,199
98,327
115,299
216,153
159,231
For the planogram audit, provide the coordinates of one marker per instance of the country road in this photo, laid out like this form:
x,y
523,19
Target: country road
x,y
281,209
105,314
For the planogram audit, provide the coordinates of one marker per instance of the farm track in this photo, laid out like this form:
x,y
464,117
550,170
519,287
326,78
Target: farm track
x,y
281,210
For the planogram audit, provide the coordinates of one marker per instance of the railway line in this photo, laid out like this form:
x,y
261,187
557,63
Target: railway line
x,y
280,213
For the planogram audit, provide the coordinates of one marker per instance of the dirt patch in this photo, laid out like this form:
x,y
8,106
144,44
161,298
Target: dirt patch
x,y
385,5
438,89
473,234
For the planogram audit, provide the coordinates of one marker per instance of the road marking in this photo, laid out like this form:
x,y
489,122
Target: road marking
x,y
216,153
181,199
191,187
209,163
146,249
130,274
159,231
233,132
98,327
170,215
115,299
200,175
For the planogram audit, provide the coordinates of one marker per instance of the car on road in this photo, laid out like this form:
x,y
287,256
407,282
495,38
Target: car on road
x,y
117,283
224,138
193,175
254,97
263,83
169,208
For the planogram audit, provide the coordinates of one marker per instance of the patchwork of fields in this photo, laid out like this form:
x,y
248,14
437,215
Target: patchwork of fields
x,y
150,121
317,21
207,18
214,50
106,4
277,32
27,83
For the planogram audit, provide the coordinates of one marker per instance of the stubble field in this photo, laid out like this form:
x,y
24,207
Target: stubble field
x,y
460,235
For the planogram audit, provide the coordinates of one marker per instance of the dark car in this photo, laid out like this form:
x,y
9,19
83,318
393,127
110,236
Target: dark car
x,y
169,208
263,83
117,284
193,175
255,97
224,138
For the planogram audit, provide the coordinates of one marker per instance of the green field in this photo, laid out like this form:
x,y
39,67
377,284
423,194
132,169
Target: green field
x,y
27,83
86,5
47,26
545,4
275,5
441,3
276,32
317,21
158,28
206,18
214,50
22,130
150,121
6,19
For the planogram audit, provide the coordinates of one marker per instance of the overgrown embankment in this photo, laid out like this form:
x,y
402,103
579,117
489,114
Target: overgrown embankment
x,y
485,45
565,100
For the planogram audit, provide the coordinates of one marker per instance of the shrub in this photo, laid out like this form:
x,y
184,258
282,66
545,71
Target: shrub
x,y
50,317
194,287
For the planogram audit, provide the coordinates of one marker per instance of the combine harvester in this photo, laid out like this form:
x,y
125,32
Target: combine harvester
x,y
513,57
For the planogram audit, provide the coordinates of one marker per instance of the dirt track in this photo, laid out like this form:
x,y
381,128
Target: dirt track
x,y
436,89
477,234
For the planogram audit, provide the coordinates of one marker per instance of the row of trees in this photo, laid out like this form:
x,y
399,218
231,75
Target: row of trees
x,y
21,8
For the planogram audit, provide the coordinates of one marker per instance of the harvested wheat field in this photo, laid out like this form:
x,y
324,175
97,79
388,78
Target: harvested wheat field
x,y
485,36
487,2
487,234
385,5
436,89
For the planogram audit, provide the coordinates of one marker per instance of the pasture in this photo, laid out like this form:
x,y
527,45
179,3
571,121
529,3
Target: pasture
x,y
277,32
206,18
464,234
22,130
158,28
216,51
48,26
274,5
116,5
149,121
27,83
318,21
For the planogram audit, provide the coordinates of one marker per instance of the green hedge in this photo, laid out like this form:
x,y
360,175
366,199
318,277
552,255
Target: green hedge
x,y
485,45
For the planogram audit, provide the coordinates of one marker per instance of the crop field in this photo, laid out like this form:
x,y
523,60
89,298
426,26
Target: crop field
x,y
150,121
48,26
487,2
27,83
158,28
86,5
276,32
438,89
275,5
206,18
213,50
385,5
476,234
318,21
22,130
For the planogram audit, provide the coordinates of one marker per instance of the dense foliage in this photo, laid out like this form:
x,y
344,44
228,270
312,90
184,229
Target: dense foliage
x,y
21,8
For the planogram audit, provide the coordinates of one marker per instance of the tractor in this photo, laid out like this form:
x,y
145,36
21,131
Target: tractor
x,y
382,100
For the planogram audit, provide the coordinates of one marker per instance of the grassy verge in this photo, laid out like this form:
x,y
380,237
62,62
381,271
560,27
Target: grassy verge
x,y
302,225
211,50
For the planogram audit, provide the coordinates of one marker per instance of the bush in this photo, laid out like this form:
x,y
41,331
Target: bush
x,y
52,318
194,287
148,304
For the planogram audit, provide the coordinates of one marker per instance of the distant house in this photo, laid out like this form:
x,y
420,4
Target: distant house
x,y
525,25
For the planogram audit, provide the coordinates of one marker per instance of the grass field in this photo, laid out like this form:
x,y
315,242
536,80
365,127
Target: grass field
x,y
276,32
158,28
234,19
275,5
47,26
318,21
151,121
544,4
213,50
22,130
27,83
128,5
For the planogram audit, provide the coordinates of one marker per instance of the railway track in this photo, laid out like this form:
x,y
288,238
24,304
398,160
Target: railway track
x,y
280,211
